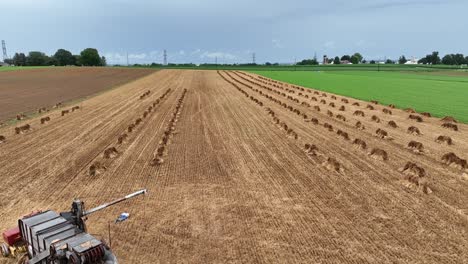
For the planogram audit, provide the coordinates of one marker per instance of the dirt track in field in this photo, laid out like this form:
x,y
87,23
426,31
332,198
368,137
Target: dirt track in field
x,y
235,184
27,91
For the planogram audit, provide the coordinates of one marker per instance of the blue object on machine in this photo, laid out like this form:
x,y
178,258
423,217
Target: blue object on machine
x,y
122,217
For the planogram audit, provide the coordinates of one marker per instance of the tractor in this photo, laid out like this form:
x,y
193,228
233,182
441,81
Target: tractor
x,y
48,237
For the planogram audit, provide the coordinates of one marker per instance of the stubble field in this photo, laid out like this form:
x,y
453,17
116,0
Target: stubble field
x,y
240,168
26,91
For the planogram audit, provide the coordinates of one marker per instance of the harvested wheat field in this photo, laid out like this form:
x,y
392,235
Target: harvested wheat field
x,y
240,168
28,91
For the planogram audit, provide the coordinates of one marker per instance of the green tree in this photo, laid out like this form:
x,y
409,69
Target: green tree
x,y
358,56
19,59
346,57
308,62
431,58
77,59
459,59
103,61
389,61
402,59
423,60
337,60
448,59
64,57
372,62
36,58
9,61
90,57
354,60
435,59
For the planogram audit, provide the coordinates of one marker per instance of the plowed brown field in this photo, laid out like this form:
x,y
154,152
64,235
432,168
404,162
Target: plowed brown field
x,y
237,183
27,91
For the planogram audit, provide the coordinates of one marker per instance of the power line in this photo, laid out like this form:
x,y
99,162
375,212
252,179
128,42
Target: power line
x,y
5,56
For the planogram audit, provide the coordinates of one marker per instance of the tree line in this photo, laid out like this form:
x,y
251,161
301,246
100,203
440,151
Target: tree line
x,y
87,57
357,58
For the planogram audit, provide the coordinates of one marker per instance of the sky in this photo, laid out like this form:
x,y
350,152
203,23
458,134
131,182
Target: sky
x,y
201,31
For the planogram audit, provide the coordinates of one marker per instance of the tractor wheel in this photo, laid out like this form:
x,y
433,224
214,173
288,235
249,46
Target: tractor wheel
x,y
5,250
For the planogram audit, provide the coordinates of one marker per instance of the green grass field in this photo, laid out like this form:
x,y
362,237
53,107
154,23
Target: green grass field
x,y
441,94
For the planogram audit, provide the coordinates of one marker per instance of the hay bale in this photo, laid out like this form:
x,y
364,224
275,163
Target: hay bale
x,y
343,134
379,153
444,139
333,164
360,143
413,130
121,138
110,153
416,146
416,118
449,119
392,123
341,117
381,133
358,113
359,125
157,161
450,126
386,111
328,126
96,168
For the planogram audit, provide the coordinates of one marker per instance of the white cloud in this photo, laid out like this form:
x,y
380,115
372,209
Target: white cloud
x,y
219,55
277,43
195,52
121,58
140,56
329,44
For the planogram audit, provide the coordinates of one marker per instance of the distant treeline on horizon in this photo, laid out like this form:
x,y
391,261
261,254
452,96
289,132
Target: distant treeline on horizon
x,y
87,57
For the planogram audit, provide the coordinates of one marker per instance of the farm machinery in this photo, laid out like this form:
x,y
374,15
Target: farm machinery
x,y
48,237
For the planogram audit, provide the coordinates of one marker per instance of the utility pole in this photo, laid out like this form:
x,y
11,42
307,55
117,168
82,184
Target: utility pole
x,y
5,56
253,58
165,58
127,59
295,63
